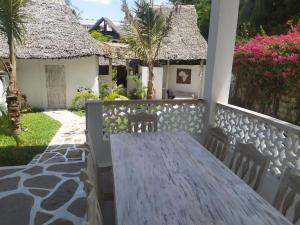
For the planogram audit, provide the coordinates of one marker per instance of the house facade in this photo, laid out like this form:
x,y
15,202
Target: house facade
x,y
57,57
182,54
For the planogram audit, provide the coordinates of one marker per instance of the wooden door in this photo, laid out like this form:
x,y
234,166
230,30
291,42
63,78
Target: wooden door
x,y
56,86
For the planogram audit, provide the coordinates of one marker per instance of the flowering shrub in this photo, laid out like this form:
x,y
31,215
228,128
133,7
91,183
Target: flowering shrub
x,y
268,67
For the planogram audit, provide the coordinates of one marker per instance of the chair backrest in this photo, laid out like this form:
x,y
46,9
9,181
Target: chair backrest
x,y
287,199
217,142
94,215
249,164
142,122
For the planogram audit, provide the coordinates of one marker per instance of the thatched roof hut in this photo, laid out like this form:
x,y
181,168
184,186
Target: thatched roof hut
x,y
183,41
53,32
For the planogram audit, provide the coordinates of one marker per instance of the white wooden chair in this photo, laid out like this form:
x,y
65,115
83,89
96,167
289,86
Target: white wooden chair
x,y
217,142
94,215
287,199
142,122
249,164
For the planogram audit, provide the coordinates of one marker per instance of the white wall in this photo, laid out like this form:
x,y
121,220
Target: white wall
x,y
196,79
2,96
158,79
31,78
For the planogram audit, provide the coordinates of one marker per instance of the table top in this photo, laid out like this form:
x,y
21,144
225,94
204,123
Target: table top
x,y
171,179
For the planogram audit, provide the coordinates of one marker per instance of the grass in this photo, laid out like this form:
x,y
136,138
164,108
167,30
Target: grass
x,y
37,131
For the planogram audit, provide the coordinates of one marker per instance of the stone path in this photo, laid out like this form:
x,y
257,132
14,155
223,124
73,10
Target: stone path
x,y
68,143
48,191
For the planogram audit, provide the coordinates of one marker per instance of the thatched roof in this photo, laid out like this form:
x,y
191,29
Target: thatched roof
x,y
183,40
53,32
115,62
115,50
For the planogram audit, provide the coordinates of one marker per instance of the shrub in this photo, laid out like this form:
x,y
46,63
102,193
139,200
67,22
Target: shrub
x,y
268,67
141,91
103,90
100,37
81,97
115,96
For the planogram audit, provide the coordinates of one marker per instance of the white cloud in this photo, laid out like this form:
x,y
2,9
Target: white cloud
x,y
105,2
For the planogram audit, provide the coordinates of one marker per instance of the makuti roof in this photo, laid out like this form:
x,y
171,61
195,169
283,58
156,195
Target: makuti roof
x,y
183,40
53,32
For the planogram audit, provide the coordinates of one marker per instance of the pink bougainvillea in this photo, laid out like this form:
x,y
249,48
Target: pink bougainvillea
x,y
270,65
271,56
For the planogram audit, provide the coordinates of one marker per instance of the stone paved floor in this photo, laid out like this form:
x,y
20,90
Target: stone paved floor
x,y
48,190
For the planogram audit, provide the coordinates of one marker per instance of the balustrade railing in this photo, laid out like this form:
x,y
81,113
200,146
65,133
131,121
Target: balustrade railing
x,y
109,117
173,115
278,139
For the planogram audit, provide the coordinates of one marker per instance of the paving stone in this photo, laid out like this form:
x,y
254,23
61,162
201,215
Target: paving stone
x,y
41,218
5,172
74,160
15,209
34,170
52,147
61,151
43,181
9,184
61,222
67,168
46,156
78,207
74,154
56,159
39,192
62,195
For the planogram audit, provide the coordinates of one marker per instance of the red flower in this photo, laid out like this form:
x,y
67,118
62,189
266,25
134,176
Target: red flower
x,y
267,74
293,57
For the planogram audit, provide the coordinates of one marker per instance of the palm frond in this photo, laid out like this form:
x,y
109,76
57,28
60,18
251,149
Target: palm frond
x,y
146,31
12,19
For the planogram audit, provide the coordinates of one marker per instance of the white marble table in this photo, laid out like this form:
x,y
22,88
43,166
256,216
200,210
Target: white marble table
x,y
170,179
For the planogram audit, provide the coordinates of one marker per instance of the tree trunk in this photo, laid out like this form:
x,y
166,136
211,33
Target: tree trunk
x,y
151,90
13,95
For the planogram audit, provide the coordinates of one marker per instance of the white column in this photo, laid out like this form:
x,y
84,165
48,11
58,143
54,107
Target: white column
x,y
222,33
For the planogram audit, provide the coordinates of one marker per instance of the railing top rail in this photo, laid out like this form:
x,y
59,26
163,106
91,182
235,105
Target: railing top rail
x,y
268,119
163,101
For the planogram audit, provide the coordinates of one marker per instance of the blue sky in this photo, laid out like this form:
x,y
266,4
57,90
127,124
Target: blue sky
x,y
95,9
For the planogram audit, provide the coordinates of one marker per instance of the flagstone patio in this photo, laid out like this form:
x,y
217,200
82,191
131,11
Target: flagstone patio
x,y
48,190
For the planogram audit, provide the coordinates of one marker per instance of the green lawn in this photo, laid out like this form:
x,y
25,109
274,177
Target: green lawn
x,y
37,131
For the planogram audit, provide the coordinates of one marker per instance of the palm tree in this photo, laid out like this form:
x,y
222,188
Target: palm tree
x,y
143,34
12,25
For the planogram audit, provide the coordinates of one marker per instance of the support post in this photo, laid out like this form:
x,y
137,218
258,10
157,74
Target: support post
x,y
222,33
167,79
95,132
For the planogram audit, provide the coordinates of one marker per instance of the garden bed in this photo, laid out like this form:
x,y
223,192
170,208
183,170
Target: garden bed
x,y
37,131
